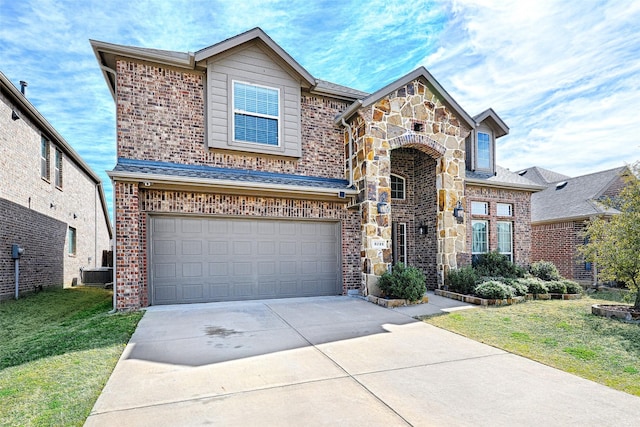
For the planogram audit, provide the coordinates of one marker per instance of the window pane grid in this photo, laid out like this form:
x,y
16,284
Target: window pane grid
x,y
479,243
397,187
505,238
256,114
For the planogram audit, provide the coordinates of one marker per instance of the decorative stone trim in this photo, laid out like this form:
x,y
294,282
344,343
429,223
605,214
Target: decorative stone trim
x,y
608,311
391,303
477,300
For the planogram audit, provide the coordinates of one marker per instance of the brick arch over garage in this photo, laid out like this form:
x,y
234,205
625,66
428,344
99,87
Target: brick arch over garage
x,y
419,142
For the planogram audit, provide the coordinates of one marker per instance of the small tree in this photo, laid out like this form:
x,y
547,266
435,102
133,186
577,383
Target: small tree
x,y
614,244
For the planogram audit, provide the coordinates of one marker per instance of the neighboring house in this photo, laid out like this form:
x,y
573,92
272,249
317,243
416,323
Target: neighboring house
x,y
559,215
51,203
242,176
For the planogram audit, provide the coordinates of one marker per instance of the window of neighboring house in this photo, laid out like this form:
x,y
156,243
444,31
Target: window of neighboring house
x,y
480,237
480,208
399,238
504,209
58,169
484,151
44,158
72,241
505,238
397,187
256,114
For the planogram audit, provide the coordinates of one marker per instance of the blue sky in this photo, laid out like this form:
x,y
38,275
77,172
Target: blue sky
x,y
564,75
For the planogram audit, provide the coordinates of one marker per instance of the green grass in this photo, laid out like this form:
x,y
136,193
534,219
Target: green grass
x,y
562,334
57,350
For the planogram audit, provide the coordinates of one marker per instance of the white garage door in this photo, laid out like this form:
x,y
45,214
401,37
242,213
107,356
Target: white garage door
x,y
226,259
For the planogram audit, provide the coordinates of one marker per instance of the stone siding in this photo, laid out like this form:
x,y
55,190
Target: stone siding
x,y
521,219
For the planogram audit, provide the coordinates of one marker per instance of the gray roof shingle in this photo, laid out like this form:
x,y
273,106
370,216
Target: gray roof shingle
x,y
503,176
577,197
542,176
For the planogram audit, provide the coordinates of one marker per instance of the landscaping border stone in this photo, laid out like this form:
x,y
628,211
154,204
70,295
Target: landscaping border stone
x,y
391,303
605,310
477,300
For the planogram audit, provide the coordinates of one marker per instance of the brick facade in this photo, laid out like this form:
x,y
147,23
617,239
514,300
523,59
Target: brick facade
x,y
521,219
77,203
558,243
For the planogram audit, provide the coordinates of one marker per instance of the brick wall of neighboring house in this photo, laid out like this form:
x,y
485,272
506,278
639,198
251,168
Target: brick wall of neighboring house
x,y
76,204
161,116
558,243
44,241
521,219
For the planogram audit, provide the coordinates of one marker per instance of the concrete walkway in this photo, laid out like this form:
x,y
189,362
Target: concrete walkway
x,y
334,361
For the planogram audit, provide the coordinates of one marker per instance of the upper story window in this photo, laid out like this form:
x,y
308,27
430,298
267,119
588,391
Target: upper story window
x,y
480,208
256,114
58,169
484,151
504,209
397,187
44,158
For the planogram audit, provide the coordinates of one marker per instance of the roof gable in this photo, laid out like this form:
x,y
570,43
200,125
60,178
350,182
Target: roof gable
x,y
494,121
270,47
542,176
419,73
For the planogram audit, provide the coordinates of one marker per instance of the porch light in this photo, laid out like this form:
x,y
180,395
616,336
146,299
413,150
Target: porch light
x,y
458,211
423,230
383,208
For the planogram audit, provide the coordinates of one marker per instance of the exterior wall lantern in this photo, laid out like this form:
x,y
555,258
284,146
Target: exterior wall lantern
x,y
423,230
458,212
383,208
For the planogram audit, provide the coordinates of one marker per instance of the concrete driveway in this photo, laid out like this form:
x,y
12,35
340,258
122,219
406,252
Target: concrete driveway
x,y
334,361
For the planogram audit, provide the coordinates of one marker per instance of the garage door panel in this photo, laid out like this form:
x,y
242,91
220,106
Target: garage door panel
x,y
223,259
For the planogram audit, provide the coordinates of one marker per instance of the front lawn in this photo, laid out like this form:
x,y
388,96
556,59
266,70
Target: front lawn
x,y
58,350
562,334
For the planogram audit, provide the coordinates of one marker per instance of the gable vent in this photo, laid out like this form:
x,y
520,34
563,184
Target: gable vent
x,y
561,185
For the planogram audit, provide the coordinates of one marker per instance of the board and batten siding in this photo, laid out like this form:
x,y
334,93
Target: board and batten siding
x,y
251,65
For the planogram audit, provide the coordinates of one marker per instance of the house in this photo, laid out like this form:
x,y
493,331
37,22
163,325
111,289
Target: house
x,y
52,204
560,213
242,176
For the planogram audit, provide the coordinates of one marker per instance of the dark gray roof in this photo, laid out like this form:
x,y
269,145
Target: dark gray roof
x,y
542,176
503,177
574,198
336,89
176,171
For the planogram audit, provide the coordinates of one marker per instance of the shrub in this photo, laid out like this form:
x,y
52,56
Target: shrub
x,y
556,287
403,282
519,289
572,287
495,264
534,285
493,290
463,280
545,270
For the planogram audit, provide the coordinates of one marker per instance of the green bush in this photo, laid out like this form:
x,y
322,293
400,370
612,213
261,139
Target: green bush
x,y
403,282
493,290
572,287
556,287
534,285
545,270
519,289
494,264
463,280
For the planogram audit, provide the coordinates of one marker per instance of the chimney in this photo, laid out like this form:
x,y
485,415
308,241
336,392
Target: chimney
x,y
23,86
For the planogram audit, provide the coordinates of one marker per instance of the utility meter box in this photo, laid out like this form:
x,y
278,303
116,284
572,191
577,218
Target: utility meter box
x,y
16,251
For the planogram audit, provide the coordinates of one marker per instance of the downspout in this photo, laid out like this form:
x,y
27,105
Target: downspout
x,y
115,218
350,152
95,225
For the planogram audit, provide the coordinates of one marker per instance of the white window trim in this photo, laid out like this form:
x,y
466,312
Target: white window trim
x,y
44,160
489,132
510,253
404,187
57,169
509,206
485,209
73,241
234,110
401,244
486,235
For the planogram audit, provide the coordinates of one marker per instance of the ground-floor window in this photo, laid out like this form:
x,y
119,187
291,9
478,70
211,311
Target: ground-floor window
x,y
505,239
399,238
480,237
72,241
